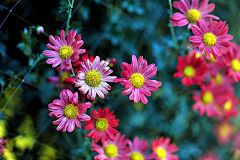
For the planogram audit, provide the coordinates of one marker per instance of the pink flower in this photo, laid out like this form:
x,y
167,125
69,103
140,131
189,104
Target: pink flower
x,y
68,111
64,51
93,78
191,13
162,149
112,150
2,141
136,79
192,70
208,156
211,38
224,132
102,125
138,149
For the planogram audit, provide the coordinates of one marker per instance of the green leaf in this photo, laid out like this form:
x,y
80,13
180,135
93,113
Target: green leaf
x,y
64,6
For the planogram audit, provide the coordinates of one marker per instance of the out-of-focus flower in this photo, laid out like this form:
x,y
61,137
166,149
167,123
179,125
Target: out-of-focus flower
x,y
224,132
64,51
24,143
8,153
101,124
112,150
93,78
68,111
211,38
236,149
39,29
48,153
192,13
208,156
163,150
136,79
111,61
138,149
192,70
2,141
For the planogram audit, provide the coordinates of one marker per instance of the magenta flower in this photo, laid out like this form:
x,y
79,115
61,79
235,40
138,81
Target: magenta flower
x,y
64,51
93,78
136,79
192,13
68,111
2,141
211,38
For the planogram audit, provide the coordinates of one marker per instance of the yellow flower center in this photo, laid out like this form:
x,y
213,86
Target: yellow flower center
x,y
193,15
63,76
209,39
235,64
198,55
218,79
211,60
189,71
227,106
136,156
161,152
225,129
70,111
207,97
101,124
65,52
93,78
137,80
111,151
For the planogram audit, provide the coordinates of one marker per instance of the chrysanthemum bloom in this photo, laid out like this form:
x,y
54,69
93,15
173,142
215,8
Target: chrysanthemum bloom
x,y
232,62
192,13
192,70
211,38
101,124
138,148
112,150
224,132
68,111
93,78
2,141
209,156
136,79
162,149
64,51
205,99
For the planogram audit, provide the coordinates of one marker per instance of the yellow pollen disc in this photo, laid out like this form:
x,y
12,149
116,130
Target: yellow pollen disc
x,y
136,156
235,64
70,111
161,152
224,130
218,79
227,106
93,78
65,52
193,15
63,76
101,124
207,97
209,39
211,60
198,55
137,80
110,151
189,71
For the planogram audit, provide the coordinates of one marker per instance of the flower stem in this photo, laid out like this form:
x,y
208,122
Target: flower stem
x,y
185,38
171,27
72,69
69,14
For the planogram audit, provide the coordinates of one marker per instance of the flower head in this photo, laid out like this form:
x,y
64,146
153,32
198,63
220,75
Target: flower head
x,y
64,51
93,78
112,150
136,79
2,141
211,38
192,70
162,149
191,13
68,111
39,29
224,132
102,125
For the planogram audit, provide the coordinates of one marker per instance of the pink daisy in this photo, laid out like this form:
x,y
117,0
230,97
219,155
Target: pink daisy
x,y
192,70
68,111
138,148
112,150
93,78
191,13
102,125
224,132
162,149
2,141
64,51
209,156
136,79
211,37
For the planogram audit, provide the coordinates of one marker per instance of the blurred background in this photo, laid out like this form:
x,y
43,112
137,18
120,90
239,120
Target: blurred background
x,y
109,28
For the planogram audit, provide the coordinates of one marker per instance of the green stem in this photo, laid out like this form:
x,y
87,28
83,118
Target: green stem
x,y
171,27
69,14
72,69
185,38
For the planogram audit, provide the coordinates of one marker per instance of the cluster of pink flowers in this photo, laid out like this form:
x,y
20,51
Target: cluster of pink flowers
x,y
215,67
